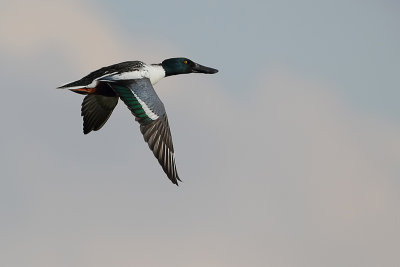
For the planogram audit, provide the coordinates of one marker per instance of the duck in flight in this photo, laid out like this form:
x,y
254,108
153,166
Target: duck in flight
x,y
132,82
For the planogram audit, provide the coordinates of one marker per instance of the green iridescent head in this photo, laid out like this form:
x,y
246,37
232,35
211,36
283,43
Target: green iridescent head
x,y
181,65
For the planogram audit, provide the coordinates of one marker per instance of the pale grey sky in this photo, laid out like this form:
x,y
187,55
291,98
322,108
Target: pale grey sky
x,y
289,155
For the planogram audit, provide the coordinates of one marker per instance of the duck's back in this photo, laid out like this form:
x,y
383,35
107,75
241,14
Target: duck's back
x,y
127,66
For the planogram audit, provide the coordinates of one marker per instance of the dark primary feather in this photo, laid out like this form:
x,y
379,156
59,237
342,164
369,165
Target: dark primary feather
x,y
158,136
96,109
155,132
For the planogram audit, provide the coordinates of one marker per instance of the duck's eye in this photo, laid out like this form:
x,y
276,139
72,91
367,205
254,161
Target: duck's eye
x,y
185,62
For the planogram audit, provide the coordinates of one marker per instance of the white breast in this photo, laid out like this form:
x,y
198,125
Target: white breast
x,y
155,73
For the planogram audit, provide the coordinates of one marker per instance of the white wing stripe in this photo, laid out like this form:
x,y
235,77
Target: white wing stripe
x,y
146,109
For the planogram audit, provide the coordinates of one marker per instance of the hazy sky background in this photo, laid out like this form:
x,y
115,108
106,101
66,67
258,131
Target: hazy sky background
x,y
289,155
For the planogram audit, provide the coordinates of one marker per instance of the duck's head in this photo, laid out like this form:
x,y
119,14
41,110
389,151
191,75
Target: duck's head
x,y
181,65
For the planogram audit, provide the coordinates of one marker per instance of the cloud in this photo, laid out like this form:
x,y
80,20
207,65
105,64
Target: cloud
x,y
292,156
283,172
286,174
84,34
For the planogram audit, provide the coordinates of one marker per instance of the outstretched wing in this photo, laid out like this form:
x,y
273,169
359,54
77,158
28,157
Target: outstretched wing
x,y
149,111
96,109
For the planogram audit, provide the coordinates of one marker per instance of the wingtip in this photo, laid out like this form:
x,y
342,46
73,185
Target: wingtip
x,y
86,131
175,181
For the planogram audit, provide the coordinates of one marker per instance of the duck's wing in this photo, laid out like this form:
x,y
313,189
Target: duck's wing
x,y
96,109
149,111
